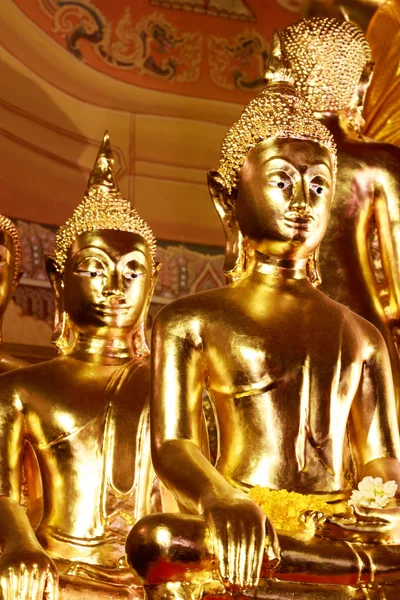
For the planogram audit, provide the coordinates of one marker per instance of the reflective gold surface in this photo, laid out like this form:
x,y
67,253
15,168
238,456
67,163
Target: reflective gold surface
x,y
360,253
85,415
301,387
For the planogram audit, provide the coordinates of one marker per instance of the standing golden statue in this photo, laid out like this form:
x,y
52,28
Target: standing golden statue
x,y
360,253
85,413
10,274
301,386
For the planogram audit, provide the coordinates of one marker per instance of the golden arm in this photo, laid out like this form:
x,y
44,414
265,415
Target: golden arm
x,y
236,524
25,569
375,430
387,218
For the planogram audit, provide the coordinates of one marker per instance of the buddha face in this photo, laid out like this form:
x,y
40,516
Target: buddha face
x,y
7,266
107,282
284,196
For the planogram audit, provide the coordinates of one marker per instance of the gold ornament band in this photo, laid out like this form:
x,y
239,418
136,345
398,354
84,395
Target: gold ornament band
x,y
7,225
103,207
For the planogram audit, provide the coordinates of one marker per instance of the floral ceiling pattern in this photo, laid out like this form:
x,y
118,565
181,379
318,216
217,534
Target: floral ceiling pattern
x,y
213,49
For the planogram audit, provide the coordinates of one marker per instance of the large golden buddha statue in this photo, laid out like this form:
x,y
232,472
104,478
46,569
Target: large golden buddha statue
x,y
301,386
84,413
360,253
10,274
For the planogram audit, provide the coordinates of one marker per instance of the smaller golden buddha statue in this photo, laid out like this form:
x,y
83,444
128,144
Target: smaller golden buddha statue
x,y
10,274
85,412
360,253
301,386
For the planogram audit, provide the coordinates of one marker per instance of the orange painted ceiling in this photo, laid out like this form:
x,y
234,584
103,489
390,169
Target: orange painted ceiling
x,y
214,49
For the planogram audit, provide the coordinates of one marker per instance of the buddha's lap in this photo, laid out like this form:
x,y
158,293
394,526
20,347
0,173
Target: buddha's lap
x,y
304,558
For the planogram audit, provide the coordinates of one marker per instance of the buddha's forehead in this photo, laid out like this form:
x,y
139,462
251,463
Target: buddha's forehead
x,y
114,243
297,152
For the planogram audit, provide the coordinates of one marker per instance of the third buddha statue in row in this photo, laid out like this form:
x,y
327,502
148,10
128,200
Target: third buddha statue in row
x,y
360,253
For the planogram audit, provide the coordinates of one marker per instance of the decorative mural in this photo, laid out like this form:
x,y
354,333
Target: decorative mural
x,y
193,47
229,9
238,63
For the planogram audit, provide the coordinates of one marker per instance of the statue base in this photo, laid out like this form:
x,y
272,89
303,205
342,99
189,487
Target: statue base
x,y
274,589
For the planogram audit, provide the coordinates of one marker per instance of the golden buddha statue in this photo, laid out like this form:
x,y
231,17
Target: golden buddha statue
x,y
85,413
10,274
360,253
301,386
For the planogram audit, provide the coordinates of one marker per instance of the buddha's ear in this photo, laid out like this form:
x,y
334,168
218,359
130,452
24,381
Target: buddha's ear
x,y
219,194
17,279
61,329
313,269
224,203
52,273
156,273
139,343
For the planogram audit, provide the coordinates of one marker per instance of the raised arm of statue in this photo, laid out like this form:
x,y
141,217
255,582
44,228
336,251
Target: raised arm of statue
x,y
373,415
387,219
236,524
23,562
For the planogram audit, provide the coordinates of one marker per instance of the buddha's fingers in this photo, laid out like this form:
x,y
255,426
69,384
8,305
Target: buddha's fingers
x,y
231,554
14,584
24,583
51,586
33,584
246,562
41,586
221,545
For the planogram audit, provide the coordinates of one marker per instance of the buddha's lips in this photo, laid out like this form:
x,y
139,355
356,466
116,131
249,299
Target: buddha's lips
x,y
302,220
111,308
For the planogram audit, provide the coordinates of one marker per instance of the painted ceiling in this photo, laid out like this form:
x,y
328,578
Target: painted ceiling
x,y
213,49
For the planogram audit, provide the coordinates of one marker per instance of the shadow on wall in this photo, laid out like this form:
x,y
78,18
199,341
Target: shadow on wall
x,y
40,149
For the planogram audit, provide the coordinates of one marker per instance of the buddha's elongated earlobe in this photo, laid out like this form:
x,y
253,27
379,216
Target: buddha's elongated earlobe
x,y
234,263
62,328
313,269
139,343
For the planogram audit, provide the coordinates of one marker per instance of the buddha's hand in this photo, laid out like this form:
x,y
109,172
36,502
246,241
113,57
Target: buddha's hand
x,y
241,536
27,573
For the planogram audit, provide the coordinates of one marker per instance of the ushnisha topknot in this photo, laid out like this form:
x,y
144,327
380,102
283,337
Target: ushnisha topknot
x,y
277,112
327,58
7,225
103,207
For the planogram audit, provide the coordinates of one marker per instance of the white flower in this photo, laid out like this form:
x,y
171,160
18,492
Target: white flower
x,y
373,493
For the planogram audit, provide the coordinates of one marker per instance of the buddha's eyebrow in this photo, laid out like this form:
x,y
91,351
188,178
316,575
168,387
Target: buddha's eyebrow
x,y
283,161
91,249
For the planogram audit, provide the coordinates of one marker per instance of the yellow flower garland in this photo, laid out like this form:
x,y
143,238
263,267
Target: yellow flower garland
x,y
285,509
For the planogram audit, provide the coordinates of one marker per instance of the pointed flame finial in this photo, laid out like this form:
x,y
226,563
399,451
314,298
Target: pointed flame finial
x,y
277,70
102,172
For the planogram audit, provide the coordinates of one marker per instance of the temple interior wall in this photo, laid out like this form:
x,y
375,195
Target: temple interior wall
x,y
166,79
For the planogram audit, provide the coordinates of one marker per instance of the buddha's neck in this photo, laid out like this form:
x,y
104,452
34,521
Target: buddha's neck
x,y
103,350
277,268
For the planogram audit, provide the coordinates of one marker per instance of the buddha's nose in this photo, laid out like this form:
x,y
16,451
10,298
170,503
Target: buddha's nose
x,y
114,295
300,201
